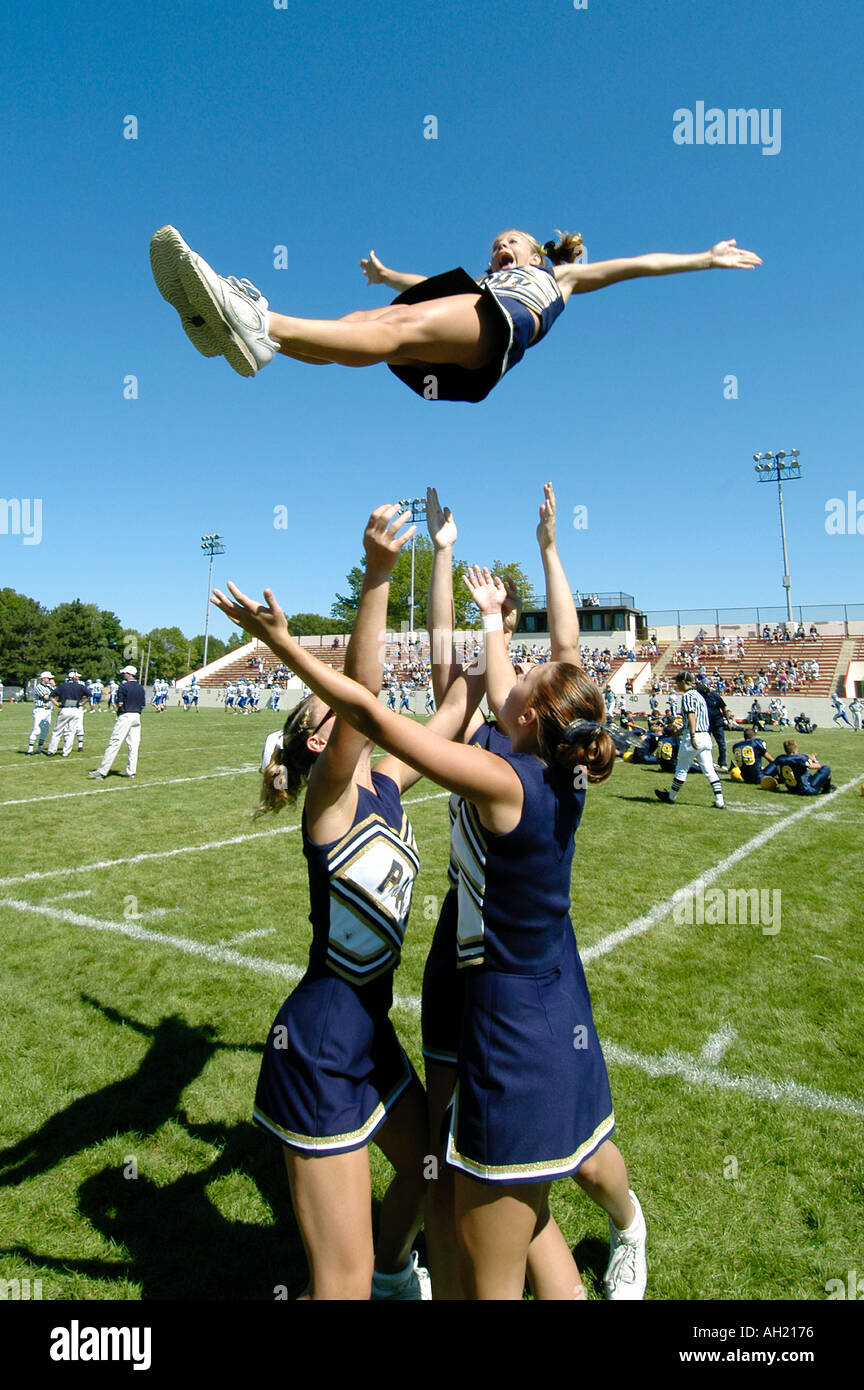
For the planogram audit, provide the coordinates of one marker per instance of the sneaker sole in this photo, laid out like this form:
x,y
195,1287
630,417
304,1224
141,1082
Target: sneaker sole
x,y
168,251
203,300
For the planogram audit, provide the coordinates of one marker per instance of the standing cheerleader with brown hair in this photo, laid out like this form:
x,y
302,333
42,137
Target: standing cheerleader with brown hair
x,y
530,1106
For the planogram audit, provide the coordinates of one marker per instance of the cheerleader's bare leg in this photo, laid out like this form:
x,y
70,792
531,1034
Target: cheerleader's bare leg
x,y
332,1196
402,1140
454,330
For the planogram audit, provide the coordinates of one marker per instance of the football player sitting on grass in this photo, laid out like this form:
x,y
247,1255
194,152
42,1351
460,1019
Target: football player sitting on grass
x,y
797,772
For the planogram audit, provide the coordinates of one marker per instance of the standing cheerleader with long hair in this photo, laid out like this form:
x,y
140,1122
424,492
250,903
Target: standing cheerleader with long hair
x,y
529,1105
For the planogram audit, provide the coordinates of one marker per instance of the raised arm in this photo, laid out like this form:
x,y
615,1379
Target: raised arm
x,y
333,773
379,274
484,779
560,604
440,613
580,279
490,596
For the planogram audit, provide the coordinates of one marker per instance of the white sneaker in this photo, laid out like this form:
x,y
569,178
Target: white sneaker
x,y
413,1284
232,309
167,249
627,1272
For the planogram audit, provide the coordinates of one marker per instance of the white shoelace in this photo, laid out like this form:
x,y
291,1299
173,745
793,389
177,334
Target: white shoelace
x,y
244,286
623,1264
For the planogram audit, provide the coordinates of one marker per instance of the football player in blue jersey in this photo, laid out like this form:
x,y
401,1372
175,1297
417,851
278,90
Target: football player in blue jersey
x,y
799,772
646,751
747,756
667,748
447,338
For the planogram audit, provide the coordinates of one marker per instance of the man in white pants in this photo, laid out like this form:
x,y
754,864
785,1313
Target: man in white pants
x,y
131,699
695,745
42,711
69,696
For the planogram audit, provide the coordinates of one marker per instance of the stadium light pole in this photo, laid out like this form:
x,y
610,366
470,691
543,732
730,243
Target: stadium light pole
x,y
211,545
417,508
780,468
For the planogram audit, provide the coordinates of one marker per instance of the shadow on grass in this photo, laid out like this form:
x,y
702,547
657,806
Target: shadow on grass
x,y
179,1244
592,1257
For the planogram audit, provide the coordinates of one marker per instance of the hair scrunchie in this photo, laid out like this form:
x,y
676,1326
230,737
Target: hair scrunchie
x,y
280,779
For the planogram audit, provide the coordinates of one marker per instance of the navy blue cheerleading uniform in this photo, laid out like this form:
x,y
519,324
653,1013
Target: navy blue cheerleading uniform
x,y
532,1097
511,295
333,1065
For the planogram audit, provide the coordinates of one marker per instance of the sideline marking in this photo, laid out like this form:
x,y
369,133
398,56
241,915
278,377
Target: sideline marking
x,y
180,849
691,1069
662,909
760,1087
715,1046
123,785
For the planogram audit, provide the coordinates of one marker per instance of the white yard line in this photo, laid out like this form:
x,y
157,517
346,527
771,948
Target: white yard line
x,y
639,925
247,936
697,1071
693,1069
718,1043
36,874
123,782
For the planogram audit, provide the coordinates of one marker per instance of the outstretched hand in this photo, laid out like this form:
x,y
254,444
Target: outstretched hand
x,y
727,255
266,621
485,589
511,610
373,269
442,527
546,528
380,539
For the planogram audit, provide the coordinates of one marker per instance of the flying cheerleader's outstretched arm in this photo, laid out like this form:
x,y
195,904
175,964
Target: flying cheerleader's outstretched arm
x,y
579,279
377,273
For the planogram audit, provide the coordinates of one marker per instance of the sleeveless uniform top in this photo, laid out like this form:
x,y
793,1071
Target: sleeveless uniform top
x,y
513,890
507,303
534,286
360,888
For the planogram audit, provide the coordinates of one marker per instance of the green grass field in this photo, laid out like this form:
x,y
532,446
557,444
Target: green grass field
x,y
150,931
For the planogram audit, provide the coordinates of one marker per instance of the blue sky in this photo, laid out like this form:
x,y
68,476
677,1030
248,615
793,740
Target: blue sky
x,y
303,127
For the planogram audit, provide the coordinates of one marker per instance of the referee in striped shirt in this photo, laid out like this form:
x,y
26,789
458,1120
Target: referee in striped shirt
x,y
695,745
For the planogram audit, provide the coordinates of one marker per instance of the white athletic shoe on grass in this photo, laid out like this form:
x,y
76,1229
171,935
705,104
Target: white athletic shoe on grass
x,y
627,1272
232,310
411,1285
167,250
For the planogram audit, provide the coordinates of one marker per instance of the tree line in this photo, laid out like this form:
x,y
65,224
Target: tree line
x,y
94,641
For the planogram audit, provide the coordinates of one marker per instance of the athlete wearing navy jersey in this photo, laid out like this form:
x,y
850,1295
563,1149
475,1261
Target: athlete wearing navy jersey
x,y
667,748
799,772
747,756
647,750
